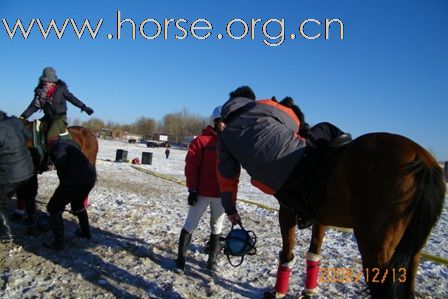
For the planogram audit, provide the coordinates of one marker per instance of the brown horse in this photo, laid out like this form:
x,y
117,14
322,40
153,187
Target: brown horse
x,y
86,140
390,191
82,136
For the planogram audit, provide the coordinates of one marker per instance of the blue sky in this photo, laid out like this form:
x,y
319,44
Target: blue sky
x,y
389,73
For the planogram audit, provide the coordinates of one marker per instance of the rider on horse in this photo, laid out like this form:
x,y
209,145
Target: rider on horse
x,y
51,95
263,137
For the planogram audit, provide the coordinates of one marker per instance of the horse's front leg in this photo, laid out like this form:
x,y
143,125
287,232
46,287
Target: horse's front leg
x,y
313,258
288,223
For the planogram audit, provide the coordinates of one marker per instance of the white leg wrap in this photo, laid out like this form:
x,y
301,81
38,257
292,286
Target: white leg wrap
x,y
313,257
287,264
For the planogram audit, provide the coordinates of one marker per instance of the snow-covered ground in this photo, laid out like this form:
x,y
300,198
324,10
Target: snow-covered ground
x,y
136,218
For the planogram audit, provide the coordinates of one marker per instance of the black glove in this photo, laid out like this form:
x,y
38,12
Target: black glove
x,y
88,110
192,198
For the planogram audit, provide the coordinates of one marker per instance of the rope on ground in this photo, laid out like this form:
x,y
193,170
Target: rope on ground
x,y
425,255
159,175
434,258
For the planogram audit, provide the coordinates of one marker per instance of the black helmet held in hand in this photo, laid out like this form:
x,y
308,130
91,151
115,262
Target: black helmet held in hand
x,y
240,242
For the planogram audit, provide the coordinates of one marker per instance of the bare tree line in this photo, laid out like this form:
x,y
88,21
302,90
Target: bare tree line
x,y
177,126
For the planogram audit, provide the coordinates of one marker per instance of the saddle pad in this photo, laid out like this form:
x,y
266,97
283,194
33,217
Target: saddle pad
x,y
38,139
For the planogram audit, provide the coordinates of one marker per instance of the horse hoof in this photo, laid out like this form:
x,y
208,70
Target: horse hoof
x,y
272,294
308,296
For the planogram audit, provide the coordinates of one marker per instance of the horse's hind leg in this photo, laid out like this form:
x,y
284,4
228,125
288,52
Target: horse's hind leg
x,y
411,275
381,273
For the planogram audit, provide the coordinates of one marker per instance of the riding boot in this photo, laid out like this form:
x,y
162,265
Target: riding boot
x,y
17,216
31,225
84,231
5,230
31,219
184,241
57,226
215,248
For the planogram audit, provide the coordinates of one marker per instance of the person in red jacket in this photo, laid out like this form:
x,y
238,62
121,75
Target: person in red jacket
x,y
200,171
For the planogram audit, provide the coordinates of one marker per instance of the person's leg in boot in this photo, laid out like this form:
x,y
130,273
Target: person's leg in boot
x,y
84,231
55,208
217,217
6,191
184,241
79,209
27,193
215,248
5,230
195,212
19,213
57,226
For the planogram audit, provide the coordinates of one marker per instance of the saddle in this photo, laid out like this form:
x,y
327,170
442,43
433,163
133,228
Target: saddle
x,y
340,141
38,138
39,133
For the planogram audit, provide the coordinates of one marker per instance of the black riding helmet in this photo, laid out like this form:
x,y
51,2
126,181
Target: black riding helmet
x,y
240,242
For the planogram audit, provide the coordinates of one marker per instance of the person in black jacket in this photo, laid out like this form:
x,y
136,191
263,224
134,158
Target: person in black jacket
x,y
76,178
51,95
16,165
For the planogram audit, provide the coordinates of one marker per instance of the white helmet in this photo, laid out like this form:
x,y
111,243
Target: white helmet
x,y
216,113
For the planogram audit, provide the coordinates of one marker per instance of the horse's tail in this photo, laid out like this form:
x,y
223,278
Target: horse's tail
x,y
426,207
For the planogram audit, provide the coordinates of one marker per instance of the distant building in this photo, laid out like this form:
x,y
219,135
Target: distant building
x,y
127,136
104,133
160,137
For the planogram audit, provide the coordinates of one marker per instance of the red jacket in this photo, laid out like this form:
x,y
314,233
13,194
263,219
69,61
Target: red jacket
x,y
200,164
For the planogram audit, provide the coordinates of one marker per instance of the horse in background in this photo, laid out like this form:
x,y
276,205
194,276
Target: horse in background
x,y
387,188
